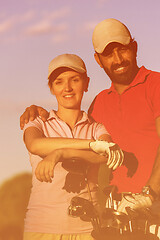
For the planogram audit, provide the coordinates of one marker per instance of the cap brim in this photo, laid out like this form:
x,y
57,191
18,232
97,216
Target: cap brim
x,y
79,70
102,47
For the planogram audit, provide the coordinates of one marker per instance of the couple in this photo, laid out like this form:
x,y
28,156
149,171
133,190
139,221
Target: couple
x,y
129,110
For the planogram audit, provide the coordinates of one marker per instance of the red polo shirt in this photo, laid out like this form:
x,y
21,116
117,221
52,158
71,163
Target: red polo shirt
x,y
130,119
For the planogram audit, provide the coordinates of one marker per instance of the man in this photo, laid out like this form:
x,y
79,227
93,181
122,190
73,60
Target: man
x,y
130,111
131,107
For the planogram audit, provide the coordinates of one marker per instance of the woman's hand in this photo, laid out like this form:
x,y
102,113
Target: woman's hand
x,y
45,168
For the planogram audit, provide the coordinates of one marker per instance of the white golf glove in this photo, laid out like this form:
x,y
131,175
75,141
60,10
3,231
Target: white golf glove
x,y
137,201
110,150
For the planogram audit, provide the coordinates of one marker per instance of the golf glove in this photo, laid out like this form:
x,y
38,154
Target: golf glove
x,y
110,150
137,201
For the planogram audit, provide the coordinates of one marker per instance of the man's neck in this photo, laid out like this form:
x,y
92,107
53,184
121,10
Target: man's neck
x,y
120,88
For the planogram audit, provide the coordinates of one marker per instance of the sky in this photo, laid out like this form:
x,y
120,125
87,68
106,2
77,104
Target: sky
x,y
33,32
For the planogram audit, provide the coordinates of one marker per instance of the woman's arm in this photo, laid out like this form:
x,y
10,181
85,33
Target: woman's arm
x,y
45,168
38,144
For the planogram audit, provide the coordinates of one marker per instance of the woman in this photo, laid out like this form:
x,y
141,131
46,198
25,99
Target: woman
x,y
65,135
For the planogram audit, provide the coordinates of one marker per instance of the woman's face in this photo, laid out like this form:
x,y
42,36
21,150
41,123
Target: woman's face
x,y
68,87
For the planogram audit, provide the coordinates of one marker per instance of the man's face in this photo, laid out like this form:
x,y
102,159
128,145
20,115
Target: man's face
x,y
119,62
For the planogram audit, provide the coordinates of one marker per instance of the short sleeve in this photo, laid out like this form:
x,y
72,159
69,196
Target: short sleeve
x,y
35,123
99,130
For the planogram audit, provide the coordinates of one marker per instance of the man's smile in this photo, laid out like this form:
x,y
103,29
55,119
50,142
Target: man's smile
x,y
121,69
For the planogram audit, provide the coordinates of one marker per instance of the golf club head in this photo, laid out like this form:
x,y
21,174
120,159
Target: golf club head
x,y
108,213
81,207
133,214
122,217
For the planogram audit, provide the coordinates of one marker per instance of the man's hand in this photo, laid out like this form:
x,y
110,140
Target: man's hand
x,y
137,202
45,168
111,150
31,113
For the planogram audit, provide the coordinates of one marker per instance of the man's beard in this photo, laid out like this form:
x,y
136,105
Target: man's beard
x,y
122,78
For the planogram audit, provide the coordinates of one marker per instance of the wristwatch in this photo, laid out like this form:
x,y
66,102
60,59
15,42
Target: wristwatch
x,y
147,190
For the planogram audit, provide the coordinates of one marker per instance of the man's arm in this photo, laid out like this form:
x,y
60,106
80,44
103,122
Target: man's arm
x,y
31,113
34,111
154,180
143,200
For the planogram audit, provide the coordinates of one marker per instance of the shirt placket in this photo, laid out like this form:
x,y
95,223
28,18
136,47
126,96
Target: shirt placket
x,y
70,133
120,109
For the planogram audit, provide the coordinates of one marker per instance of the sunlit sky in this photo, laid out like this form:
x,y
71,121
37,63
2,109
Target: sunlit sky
x,y
32,32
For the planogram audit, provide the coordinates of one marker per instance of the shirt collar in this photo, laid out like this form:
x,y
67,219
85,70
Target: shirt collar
x,y
53,115
139,78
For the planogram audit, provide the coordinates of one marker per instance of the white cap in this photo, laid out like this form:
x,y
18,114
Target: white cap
x,y
108,31
71,61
